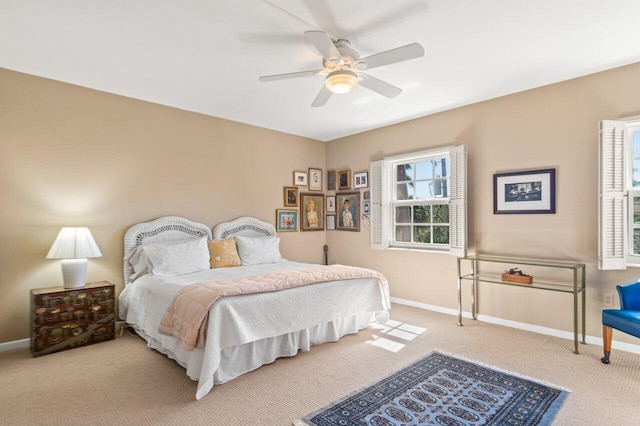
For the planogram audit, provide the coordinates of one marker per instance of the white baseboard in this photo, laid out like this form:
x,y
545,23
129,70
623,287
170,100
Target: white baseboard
x,y
16,344
627,347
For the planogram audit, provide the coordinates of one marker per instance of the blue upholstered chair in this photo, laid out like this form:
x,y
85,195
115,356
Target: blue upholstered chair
x,y
625,319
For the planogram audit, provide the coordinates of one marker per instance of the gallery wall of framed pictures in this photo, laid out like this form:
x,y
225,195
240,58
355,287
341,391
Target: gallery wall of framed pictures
x,y
307,208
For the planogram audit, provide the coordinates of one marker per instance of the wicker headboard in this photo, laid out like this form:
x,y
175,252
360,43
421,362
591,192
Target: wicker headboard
x,y
244,226
168,228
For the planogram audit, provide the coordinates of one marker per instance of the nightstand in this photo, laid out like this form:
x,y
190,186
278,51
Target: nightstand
x,y
66,318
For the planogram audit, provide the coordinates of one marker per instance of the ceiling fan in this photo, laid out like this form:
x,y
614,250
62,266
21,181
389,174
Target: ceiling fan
x,y
343,67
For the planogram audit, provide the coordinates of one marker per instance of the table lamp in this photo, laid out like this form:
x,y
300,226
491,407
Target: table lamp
x,y
74,246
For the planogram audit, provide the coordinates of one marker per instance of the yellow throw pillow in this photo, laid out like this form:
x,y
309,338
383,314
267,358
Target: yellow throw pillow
x,y
224,253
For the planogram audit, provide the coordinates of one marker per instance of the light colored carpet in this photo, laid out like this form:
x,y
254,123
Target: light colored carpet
x,y
123,382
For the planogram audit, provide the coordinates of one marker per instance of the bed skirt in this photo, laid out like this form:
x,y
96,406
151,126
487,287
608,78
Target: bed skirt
x,y
238,360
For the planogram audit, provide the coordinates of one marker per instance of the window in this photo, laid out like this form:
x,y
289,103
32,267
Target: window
x,y
421,202
619,194
634,192
418,201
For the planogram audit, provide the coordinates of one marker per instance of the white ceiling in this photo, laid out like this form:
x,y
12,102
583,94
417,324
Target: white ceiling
x,y
206,55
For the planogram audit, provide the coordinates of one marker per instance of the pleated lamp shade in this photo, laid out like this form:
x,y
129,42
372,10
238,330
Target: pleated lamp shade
x,y
74,245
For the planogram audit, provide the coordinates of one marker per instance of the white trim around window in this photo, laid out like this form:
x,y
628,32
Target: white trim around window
x,y
618,188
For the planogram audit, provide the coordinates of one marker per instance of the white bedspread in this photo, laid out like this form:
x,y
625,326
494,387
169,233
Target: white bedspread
x,y
238,320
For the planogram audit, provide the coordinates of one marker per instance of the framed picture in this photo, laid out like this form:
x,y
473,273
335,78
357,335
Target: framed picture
x,y
290,196
366,195
532,191
348,205
360,180
366,210
311,212
331,180
299,178
286,220
315,179
344,179
331,203
331,222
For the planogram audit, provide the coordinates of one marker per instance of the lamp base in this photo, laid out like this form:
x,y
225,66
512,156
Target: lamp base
x,y
74,273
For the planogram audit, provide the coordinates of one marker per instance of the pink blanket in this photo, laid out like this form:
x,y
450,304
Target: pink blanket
x,y
185,318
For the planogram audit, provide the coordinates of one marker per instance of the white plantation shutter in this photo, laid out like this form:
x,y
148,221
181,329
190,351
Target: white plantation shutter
x,y
375,180
612,200
458,202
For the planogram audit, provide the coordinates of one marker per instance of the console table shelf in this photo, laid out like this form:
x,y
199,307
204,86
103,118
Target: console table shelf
x,y
577,288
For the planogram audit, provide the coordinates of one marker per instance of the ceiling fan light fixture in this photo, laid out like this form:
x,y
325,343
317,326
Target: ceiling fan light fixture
x,y
341,81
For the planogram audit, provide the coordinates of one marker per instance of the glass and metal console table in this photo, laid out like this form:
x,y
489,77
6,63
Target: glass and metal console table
x,y
475,276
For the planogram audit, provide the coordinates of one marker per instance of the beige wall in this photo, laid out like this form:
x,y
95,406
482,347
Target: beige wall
x,y
71,156
553,126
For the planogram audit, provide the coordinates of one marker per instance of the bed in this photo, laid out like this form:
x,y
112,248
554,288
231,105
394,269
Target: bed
x,y
246,331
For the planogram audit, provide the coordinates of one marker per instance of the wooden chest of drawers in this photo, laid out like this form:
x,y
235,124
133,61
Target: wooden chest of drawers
x,y
65,318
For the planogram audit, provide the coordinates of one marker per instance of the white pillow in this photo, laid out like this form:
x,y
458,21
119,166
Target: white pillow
x,y
139,260
180,258
259,250
139,263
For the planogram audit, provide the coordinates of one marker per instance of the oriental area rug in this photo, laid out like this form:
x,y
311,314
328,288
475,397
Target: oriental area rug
x,y
445,390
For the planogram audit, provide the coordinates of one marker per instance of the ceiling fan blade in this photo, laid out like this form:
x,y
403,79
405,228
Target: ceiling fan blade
x,y
391,18
322,98
288,75
307,24
379,86
324,44
399,54
324,17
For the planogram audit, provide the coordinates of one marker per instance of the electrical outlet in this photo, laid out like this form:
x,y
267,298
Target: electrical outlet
x,y
607,299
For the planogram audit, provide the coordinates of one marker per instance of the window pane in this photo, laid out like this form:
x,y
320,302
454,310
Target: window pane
x,y
441,235
421,214
404,172
441,214
403,214
442,168
403,234
424,169
636,172
404,191
422,234
441,188
636,241
636,143
423,190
